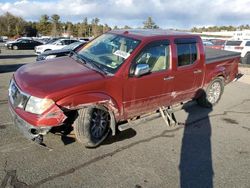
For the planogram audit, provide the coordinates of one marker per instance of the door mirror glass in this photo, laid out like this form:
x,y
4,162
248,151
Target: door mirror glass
x,y
141,69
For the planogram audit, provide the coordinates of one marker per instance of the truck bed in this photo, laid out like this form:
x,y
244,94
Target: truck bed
x,y
215,55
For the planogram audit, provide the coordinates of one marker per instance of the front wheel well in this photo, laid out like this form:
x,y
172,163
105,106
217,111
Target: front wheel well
x,y
73,114
93,124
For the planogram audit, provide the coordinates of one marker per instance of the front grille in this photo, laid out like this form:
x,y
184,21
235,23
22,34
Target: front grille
x,y
17,97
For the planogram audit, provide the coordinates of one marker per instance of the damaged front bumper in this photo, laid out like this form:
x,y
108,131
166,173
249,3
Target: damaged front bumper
x,y
28,130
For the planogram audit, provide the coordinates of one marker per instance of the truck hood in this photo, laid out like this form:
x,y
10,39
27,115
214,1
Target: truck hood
x,y
54,76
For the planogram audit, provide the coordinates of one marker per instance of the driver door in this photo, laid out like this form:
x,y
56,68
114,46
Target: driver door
x,y
146,93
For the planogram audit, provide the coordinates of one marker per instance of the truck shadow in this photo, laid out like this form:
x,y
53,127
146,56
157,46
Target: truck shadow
x,y
120,136
195,167
67,136
10,68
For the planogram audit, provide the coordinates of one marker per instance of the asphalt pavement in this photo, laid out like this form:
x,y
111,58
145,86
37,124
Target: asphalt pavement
x,y
208,148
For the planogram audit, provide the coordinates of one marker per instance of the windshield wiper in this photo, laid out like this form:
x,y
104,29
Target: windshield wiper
x,y
96,66
90,62
77,57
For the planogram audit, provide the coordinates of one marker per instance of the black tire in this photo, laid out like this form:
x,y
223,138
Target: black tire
x,y
246,59
92,126
15,47
210,97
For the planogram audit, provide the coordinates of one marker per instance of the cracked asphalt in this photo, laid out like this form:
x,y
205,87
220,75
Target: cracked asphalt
x,y
208,148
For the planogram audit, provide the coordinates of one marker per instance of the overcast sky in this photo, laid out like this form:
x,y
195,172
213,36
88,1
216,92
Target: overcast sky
x,y
180,14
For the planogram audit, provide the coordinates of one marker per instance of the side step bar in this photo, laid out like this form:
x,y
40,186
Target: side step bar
x,y
132,123
168,116
167,113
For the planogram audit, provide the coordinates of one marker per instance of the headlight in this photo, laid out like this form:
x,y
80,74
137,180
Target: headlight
x,y
36,105
40,58
50,57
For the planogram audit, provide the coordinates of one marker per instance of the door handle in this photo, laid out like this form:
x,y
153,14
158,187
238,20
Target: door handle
x,y
197,71
169,78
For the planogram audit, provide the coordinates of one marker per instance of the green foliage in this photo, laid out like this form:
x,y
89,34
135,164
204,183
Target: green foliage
x,y
115,27
220,28
44,25
56,26
126,27
11,25
150,24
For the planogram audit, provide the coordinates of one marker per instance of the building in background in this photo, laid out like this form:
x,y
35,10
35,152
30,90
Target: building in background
x,y
232,35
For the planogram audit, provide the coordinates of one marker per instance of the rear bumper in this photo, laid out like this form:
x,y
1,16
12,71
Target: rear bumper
x,y
28,130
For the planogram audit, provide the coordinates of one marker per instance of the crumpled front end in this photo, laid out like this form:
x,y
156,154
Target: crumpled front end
x,y
28,130
32,125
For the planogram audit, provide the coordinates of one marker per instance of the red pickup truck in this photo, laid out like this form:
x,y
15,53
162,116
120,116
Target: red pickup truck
x,y
116,78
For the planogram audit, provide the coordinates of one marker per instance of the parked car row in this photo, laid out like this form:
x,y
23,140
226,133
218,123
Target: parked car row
x,y
61,52
56,45
214,43
49,43
241,46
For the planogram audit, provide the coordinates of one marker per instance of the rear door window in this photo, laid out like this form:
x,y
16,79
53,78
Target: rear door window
x,y
186,51
66,42
72,41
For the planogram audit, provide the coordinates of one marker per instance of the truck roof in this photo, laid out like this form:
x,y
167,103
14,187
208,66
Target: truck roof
x,y
149,33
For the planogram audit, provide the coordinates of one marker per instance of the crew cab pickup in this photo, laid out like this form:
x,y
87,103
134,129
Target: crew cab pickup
x,y
118,77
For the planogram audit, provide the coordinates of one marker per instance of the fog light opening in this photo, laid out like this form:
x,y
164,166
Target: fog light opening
x,y
34,131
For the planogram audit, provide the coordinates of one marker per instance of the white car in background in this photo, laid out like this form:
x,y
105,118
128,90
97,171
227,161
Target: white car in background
x,y
241,46
58,44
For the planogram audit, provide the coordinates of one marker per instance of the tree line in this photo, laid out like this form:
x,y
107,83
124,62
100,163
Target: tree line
x,y
220,28
11,25
15,26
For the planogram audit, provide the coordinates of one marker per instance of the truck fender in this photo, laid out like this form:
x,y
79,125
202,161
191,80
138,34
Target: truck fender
x,y
218,72
78,101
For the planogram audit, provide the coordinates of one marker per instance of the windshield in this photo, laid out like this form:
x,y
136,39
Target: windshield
x,y
55,42
52,40
109,51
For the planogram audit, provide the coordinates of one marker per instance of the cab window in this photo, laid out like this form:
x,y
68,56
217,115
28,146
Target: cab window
x,y
186,51
156,55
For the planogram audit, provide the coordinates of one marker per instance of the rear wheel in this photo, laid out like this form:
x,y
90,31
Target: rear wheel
x,y
92,125
212,94
246,59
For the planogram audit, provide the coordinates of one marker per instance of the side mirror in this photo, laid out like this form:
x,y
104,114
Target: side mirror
x,y
141,69
59,43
